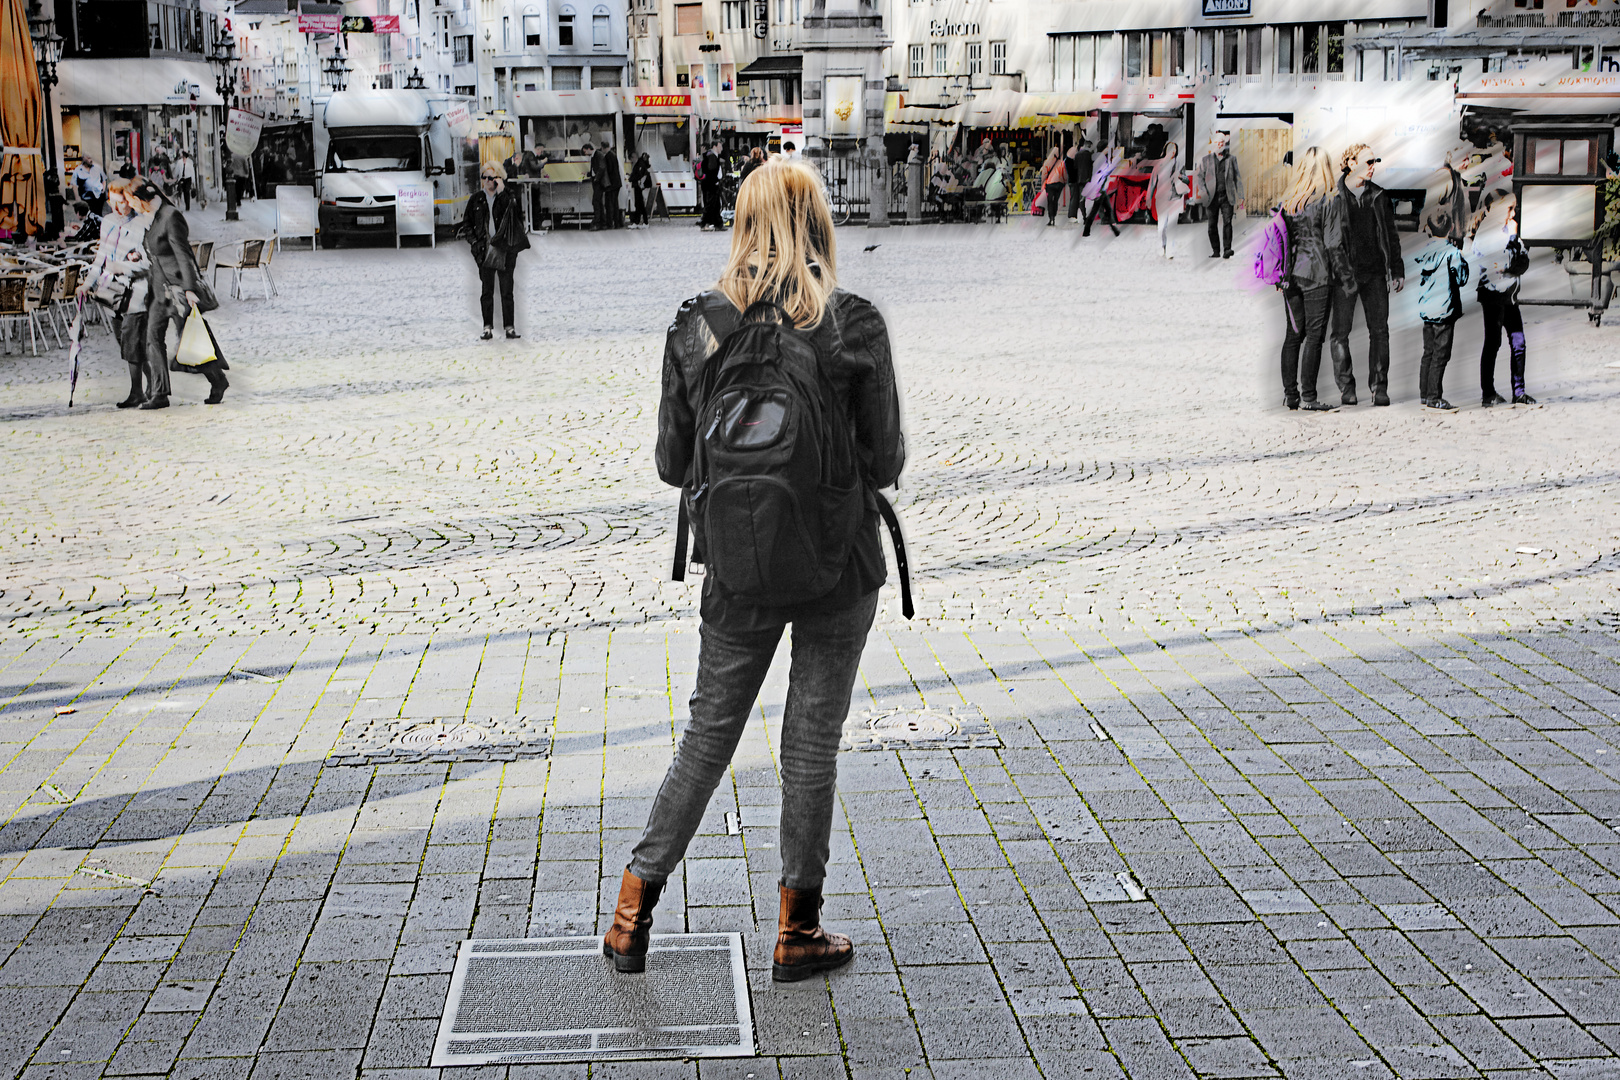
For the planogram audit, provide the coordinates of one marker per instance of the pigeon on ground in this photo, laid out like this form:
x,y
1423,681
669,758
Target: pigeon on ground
x,y
871,247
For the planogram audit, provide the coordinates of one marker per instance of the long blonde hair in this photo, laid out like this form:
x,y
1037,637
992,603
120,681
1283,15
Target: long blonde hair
x,y
1312,179
782,245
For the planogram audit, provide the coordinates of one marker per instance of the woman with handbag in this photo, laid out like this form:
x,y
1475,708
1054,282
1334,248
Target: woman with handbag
x,y
117,281
494,229
174,287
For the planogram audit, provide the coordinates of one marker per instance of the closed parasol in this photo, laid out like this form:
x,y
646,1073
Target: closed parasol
x,y
22,175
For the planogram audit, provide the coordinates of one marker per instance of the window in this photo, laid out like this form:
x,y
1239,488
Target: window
x,y
1085,61
1285,50
1133,56
603,77
787,11
975,58
531,32
682,78
506,34
734,14
941,61
565,27
1176,48
998,58
467,90
1206,52
1229,52
1335,48
1156,56
463,46
1252,49
689,18
565,78
915,56
600,28
1311,55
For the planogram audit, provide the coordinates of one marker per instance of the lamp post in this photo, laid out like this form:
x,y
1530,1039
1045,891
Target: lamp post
x,y
47,53
337,69
224,55
415,81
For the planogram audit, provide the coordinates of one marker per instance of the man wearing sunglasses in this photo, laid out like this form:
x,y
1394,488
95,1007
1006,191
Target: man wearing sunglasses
x,y
1374,252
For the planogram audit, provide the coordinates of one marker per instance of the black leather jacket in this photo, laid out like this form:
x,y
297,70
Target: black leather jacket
x,y
853,343
1317,252
1389,242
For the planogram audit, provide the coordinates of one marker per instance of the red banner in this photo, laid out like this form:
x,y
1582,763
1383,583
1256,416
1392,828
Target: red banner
x,y
348,24
319,24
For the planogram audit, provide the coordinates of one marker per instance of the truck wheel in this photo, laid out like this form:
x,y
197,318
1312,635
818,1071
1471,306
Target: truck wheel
x,y
328,241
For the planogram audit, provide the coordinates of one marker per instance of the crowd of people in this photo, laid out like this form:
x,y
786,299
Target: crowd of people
x,y
1334,245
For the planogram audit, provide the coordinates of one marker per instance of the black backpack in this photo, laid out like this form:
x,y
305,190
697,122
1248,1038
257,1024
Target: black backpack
x,y
775,494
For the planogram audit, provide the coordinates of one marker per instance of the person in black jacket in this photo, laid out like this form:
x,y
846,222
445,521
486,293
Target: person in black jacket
x,y
641,183
174,287
1078,164
612,186
495,231
1373,252
709,185
783,255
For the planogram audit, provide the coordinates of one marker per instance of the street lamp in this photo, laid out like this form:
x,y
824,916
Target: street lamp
x,y
414,80
337,69
47,53
224,55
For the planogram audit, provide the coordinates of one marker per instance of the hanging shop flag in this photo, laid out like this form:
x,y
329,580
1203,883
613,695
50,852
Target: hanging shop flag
x,y
371,24
319,24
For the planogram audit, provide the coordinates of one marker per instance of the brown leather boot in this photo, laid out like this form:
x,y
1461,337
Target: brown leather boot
x,y
803,948
626,940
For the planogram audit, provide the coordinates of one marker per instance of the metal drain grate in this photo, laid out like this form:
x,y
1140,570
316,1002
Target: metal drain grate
x,y
558,999
918,729
448,738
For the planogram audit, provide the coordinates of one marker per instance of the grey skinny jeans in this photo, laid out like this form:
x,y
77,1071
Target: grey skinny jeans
x,y
731,667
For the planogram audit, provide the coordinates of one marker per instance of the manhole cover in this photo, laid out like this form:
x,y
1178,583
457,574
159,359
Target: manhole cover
x,y
899,729
441,738
435,735
558,999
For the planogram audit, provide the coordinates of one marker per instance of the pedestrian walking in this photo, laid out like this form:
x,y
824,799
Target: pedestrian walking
x,y
613,189
790,151
1376,268
709,186
91,183
185,178
174,287
1099,190
597,175
1315,263
1054,177
1077,168
1167,194
1220,192
1442,273
1502,259
641,185
117,279
756,158
782,269
493,226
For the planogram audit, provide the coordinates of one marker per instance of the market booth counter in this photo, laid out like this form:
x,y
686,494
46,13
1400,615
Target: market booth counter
x,y
1559,176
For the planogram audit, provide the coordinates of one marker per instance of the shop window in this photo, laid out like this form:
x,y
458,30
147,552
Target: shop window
x,y
604,77
975,58
531,32
915,61
998,58
600,23
1310,62
565,25
565,78
1285,49
1335,48
734,14
1252,52
1156,56
688,18
941,59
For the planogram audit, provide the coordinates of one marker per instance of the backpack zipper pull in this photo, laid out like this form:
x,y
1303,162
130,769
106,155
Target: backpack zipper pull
x,y
714,426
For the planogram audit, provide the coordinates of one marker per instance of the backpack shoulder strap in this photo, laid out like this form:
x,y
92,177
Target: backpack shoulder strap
x,y
901,562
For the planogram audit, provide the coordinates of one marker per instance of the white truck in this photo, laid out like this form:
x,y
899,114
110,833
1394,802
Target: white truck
x,y
367,142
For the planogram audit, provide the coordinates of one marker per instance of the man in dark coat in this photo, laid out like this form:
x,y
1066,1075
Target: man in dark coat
x,y
494,217
1220,192
611,189
710,186
1078,166
1373,251
174,285
598,178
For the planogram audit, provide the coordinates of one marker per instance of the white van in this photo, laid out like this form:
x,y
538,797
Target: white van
x,y
367,142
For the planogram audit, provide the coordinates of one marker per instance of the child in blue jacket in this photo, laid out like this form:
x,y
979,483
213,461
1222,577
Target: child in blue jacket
x,y
1442,273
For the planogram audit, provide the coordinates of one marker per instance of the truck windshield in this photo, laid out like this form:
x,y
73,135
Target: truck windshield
x,y
374,153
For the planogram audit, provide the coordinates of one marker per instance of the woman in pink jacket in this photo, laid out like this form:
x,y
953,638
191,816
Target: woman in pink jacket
x,y
1054,175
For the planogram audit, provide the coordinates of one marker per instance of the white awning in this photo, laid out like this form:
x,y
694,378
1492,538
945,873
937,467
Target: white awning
x,y
136,81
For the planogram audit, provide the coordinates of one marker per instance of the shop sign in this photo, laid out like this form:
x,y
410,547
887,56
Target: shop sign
x,y
348,24
957,29
242,130
413,208
319,24
843,113
458,118
1221,9
664,100
762,18
184,93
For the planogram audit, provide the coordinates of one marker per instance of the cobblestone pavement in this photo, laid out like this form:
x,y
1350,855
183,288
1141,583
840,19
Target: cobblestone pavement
x,y
1309,725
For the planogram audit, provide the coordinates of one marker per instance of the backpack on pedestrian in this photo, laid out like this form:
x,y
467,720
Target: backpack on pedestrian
x,y
1271,261
775,495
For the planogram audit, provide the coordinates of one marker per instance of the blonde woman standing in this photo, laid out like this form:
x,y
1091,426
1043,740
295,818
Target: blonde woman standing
x,y
782,270
1316,263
